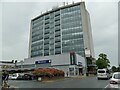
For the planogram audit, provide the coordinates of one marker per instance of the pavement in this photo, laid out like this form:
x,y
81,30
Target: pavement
x,y
53,80
80,77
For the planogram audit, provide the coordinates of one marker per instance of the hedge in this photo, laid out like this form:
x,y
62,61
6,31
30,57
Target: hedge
x,y
48,72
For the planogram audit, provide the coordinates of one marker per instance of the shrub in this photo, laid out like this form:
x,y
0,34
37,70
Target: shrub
x,y
48,72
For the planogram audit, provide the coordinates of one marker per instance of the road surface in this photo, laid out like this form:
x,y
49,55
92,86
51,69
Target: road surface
x,y
87,82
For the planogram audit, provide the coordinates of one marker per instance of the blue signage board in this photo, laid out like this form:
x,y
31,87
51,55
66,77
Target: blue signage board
x,y
43,62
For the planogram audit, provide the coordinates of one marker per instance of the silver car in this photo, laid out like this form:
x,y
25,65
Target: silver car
x,y
115,80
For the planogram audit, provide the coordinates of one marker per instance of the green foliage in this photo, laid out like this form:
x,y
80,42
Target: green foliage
x,y
118,69
102,61
114,69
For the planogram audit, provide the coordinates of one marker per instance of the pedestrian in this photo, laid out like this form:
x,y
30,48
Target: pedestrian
x,y
67,73
5,76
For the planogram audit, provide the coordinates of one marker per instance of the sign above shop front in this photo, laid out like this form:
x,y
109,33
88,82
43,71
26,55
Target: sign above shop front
x,y
43,62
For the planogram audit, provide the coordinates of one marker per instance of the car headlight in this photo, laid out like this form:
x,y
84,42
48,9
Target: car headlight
x,y
113,82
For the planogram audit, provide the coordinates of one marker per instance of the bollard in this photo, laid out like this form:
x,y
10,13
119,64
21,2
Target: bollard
x,y
87,74
39,78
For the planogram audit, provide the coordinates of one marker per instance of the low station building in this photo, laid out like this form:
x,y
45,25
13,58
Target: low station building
x,y
70,63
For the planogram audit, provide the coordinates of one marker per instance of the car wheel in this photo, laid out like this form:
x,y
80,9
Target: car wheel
x,y
98,78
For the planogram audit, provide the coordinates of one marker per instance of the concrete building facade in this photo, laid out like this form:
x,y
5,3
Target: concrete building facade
x,y
60,38
63,62
61,30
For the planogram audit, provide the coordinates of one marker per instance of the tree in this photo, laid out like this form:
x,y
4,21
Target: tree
x,y
118,69
102,61
114,69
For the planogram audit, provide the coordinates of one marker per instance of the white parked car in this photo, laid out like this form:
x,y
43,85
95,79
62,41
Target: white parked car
x,y
103,74
115,80
13,76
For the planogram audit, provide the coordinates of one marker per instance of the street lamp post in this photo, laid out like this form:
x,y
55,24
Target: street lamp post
x,y
86,62
21,64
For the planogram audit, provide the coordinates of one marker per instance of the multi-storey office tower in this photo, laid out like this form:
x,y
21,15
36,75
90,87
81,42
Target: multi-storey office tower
x,y
61,30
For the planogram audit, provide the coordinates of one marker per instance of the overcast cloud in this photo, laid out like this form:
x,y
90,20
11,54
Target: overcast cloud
x,y
16,23
1,31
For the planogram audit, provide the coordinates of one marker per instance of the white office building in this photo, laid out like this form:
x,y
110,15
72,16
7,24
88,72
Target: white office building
x,y
61,38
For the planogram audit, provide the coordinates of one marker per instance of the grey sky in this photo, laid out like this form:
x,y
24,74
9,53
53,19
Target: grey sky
x,y
16,23
1,31
119,31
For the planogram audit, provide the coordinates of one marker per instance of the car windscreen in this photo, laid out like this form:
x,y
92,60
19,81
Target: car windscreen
x,y
14,75
117,76
101,71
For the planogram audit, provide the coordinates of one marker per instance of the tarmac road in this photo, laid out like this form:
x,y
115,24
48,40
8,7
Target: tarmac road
x,y
87,82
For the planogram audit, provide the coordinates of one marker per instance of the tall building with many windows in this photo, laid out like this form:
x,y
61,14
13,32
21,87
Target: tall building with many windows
x,y
62,30
61,38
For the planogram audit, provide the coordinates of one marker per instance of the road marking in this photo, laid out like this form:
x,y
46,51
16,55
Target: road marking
x,y
106,86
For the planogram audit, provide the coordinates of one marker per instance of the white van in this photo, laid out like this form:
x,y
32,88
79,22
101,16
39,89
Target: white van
x,y
103,74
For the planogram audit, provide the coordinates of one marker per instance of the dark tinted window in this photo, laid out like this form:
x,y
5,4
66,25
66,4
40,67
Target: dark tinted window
x,y
101,71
